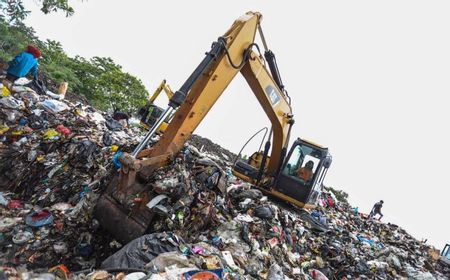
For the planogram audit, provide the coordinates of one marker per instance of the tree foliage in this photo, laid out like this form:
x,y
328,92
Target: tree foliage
x,y
107,86
14,11
340,194
100,79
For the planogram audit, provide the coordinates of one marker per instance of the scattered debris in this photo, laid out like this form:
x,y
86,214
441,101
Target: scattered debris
x,y
56,157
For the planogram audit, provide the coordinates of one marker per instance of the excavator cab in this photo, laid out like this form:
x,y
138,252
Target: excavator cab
x,y
302,174
300,179
446,251
150,113
445,255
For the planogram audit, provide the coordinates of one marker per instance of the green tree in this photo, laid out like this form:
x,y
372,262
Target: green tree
x,y
100,80
14,11
340,194
107,86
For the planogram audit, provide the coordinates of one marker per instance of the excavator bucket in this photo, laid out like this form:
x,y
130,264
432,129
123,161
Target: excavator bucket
x,y
122,209
118,215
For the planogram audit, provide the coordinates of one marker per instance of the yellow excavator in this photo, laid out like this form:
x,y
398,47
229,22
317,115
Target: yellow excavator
x,y
150,113
294,175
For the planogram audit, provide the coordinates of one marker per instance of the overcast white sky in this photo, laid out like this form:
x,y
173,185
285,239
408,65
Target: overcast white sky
x,y
368,79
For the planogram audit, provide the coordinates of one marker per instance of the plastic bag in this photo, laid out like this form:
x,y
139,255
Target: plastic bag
x,y
84,155
97,117
38,86
264,212
21,81
40,218
5,91
54,106
63,130
140,251
10,102
51,134
169,259
54,95
113,125
107,139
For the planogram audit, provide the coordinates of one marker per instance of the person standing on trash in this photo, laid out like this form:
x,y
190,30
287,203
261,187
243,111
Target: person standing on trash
x,y
121,117
24,63
376,209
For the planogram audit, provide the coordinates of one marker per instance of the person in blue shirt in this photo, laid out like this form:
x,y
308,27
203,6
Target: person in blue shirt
x,y
24,63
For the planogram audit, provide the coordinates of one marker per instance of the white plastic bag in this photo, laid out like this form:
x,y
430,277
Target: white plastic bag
x,y
54,106
54,95
22,81
10,102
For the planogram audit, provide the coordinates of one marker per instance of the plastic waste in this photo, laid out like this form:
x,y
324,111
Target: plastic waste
x,y
264,212
113,125
97,117
169,259
22,237
51,135
54,106
5,91
275,272
3,199
3,128
22,81
7,223
156,200
39,218
134,276
60,248
63,130
10,102
318,275
213,274
132,255
14,204
84,155
107,139
116,161
54,95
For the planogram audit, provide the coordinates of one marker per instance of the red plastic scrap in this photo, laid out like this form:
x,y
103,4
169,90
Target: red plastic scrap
x,y
41,215
14,204
63,130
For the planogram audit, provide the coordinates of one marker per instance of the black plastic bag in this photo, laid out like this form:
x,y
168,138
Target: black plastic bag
x,y
140,251
113,125
38,86
107,139
84,155
264,212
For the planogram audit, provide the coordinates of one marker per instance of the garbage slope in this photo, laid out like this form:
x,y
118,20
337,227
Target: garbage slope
x,y
57,155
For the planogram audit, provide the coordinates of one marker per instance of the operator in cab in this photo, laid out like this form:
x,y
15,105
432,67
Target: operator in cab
x,y
306,172
24,63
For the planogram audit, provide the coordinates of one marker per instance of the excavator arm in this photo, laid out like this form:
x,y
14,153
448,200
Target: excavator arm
x,y
163,86
230,54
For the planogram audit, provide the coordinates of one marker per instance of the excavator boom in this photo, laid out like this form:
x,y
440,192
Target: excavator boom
x,y
233,52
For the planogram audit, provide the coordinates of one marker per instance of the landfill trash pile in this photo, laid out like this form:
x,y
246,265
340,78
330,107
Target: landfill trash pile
x,y
53,155
211,224
220,155
57,156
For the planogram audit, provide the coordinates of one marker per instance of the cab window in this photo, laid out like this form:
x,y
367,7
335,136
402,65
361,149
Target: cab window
x,y
302,164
